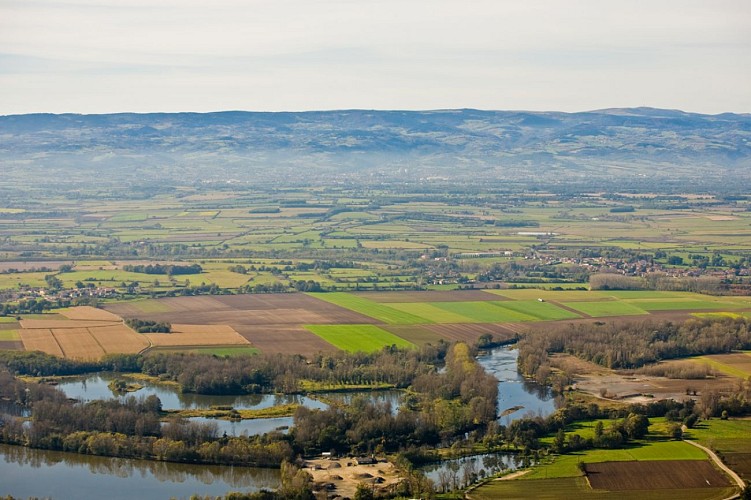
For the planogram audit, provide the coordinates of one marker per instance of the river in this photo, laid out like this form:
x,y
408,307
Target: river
x,y
26,473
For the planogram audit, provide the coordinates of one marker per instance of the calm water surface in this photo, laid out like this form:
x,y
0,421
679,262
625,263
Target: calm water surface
x,y
94,387
513,389
25,472
46,474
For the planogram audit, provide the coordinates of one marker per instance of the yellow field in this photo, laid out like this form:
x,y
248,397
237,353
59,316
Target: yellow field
x,y
78,343
119,339
41,340
197,335
91,333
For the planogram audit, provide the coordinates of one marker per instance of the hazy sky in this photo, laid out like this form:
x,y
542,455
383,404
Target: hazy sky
x,y
98,56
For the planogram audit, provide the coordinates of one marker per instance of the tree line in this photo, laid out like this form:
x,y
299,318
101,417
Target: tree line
x,y
634,344
168,269
148,326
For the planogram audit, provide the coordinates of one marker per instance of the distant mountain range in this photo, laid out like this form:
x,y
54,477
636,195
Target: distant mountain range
x,y
465,145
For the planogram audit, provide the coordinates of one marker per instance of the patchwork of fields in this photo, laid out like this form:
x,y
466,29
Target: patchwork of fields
x,y
318,322
653,468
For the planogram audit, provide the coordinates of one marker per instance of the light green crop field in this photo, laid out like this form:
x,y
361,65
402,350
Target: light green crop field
x,y
606,308
539,310
367,307
484,312
430,312
354,338
9,335
7,319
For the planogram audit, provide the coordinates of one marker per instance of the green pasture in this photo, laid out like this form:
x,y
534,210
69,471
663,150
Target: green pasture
x,y
355,338
10,281
369,308
605,308
7,319
731,435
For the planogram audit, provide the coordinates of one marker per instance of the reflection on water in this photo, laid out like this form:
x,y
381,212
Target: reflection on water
x,y
95,387
251,427
482,465
513,389
28,472
393,397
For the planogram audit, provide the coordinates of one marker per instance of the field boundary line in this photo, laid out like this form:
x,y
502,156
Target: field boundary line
x,y
57,341
88,330
569,309
730,472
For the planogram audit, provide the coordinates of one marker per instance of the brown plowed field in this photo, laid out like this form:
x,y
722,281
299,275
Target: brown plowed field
x,y
40,340
252,309
655,475
431,296
286,339
189,304
740,463
11,345
197,335
471,332
78,343
89,313
119,339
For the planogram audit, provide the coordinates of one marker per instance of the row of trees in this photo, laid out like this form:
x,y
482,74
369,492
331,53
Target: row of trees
x,y
634,344
168,269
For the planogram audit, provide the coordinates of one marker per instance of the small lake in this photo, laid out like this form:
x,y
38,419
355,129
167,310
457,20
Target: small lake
x,y
46,474
513,389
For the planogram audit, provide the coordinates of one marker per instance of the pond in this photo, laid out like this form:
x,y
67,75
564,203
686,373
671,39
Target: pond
x,y
46,474
482,465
